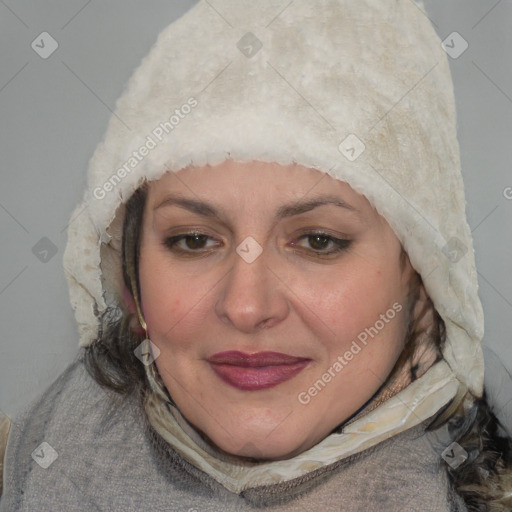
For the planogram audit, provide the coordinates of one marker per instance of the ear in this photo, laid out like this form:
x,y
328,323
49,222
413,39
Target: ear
x,y
423,316
418,296
129,303
128,300
421,304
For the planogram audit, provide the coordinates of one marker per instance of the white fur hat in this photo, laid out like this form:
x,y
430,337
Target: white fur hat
x,y
359,89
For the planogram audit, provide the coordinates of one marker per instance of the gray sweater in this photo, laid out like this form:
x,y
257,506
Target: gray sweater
x,y
78,447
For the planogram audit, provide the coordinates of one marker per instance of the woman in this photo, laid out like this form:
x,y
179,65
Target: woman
x,y
274,281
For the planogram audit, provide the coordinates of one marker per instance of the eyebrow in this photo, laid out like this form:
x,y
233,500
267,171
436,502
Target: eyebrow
x,y
287,210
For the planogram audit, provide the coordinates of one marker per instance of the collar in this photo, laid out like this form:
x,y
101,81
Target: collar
x,y
414,404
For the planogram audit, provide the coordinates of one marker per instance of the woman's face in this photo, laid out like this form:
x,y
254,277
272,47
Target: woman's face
x,y
240,260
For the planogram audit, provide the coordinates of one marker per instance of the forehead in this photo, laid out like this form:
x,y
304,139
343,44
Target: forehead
x,y
264,183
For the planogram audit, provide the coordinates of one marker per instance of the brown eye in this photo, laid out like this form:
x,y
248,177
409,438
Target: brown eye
x,y
319,242
190,242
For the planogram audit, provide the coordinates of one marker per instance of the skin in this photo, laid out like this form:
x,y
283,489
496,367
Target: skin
x,y
290,299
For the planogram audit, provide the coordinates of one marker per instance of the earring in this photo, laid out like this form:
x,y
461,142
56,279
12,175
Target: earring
x,y
147,351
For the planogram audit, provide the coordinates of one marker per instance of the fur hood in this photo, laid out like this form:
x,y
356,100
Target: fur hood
x,y
360,90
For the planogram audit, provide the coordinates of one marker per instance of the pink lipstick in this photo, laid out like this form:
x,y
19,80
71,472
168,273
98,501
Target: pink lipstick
x,y
252,372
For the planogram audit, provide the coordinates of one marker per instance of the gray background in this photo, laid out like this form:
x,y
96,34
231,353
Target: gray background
x,y
55,111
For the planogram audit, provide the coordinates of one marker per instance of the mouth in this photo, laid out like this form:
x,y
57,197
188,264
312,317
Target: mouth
x,y
252,372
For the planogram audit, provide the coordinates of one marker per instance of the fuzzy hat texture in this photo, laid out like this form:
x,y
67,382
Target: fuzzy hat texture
x,y
359,89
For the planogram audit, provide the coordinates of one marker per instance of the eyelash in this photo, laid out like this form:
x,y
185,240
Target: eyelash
x,y
342,244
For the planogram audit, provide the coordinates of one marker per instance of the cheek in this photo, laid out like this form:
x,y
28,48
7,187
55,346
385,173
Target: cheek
x,y
161,292
353,297
173,303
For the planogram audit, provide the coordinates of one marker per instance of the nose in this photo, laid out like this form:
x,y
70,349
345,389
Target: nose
x,y
252,297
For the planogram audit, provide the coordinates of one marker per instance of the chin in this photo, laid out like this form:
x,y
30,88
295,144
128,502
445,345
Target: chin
x,y
261,447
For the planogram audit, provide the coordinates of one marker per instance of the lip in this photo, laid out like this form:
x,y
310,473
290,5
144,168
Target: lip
x,y
252,372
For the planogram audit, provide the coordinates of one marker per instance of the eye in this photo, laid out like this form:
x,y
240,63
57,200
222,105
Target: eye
x,y
319,241
192,242
195,243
